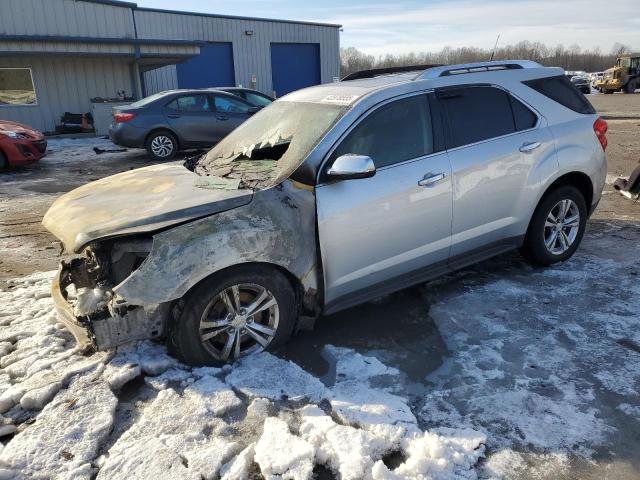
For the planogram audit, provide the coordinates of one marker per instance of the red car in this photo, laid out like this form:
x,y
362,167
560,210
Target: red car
x,y
20,144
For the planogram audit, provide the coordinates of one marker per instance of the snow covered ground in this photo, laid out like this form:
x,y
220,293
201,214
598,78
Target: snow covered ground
x,y
539,379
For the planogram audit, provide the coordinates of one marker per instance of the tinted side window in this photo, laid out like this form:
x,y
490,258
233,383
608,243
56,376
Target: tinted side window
x,y
523,117
476,114
191,103
230,105
561,90
256,99
396,132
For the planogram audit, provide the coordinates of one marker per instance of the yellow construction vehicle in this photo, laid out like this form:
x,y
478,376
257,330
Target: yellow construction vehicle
x,y
624,77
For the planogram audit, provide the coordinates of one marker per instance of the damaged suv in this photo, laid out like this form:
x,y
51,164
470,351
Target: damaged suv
x,y
331,196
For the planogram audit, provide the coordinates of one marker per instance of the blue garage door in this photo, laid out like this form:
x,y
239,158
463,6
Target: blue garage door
x,y
294,66
212,68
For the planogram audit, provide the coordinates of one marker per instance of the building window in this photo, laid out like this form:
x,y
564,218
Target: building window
x,y
16,87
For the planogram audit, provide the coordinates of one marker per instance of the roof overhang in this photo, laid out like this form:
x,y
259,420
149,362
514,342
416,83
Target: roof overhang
x,y
150,53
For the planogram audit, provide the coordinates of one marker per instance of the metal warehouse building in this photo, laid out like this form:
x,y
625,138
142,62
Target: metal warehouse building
x,y
57,55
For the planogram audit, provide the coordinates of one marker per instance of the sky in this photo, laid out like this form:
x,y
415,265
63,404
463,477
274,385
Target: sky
x,y
402,26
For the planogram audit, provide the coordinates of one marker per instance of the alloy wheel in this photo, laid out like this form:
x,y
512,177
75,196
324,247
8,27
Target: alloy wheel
x,y
240,320
561,226
162,146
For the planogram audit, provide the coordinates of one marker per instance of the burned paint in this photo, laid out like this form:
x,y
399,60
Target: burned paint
x,y
142,200
258,232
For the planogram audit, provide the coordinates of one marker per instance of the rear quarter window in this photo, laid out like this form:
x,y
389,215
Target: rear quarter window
x,y
523,117
561,90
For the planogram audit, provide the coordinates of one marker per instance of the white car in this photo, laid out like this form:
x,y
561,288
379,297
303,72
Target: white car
x,y
594,78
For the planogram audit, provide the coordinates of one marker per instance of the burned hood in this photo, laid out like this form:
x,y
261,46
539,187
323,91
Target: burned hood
x,y
139,201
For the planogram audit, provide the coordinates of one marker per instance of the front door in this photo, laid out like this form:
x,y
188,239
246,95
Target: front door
x,y
193,118
381,233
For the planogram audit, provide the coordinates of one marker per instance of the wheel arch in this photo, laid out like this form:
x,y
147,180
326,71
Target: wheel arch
x,y
296,285
577,179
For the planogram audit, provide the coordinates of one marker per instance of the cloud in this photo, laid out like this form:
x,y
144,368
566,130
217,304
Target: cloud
x,y
466,23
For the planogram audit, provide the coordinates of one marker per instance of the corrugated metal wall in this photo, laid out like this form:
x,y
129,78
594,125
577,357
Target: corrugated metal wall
x,y
66,84
67,74
159,79
65,17
251,54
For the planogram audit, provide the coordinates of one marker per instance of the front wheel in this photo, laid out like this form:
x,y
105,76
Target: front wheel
x,y
232,314
4,165
162,146
556,228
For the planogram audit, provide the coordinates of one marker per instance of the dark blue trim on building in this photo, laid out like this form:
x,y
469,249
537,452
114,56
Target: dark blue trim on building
x,y
115,3
134,6
238,17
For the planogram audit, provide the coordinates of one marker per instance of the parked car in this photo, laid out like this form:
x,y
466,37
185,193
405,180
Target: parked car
x,y
330,197
254,97
20,144
581,83
595,78
174,120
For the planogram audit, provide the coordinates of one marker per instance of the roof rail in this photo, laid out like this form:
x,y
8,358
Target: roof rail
x,y
374,72
450,70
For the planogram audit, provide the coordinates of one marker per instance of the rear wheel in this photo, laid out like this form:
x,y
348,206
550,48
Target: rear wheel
x,y
233,314
162,145
3,162
557,227
631,86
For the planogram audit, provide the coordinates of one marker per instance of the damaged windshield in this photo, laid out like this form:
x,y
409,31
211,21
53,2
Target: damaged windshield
x,y
268,147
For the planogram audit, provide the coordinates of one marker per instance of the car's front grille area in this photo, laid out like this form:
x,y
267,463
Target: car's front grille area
x,y
41,145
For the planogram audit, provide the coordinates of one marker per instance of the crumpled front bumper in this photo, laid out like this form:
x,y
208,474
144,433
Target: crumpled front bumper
x,y
81,332
111,325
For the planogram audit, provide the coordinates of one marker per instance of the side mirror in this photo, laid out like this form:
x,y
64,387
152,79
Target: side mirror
x,y
347,167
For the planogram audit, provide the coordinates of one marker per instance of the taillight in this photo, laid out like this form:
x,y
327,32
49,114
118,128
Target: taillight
x,y
123,117
601,127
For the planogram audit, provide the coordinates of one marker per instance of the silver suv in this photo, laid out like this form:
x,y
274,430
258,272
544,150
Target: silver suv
x,y
330,197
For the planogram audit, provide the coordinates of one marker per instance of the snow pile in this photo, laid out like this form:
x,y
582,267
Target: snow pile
x,y
63,440
297,464
64,150
264,416
532,353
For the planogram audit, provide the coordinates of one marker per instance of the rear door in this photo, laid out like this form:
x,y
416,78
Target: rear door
x,y
379,233
192,117
494,143
230,112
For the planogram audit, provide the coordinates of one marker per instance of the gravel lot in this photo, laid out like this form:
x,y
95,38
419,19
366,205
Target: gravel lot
x,y
499,370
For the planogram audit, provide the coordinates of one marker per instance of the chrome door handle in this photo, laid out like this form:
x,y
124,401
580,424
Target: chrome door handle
x,y
529,147
431,179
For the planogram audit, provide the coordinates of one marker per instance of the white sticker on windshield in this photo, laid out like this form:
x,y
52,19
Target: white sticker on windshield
x,y
339,99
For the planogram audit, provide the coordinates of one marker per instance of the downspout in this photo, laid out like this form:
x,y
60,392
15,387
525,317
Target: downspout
x,y
137,82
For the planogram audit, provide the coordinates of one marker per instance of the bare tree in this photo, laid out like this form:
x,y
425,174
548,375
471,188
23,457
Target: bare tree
x,y
571,58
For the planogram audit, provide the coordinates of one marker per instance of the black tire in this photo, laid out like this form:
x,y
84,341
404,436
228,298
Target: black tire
x,y
159,142
4,165
607,92
534,248
631,86
184,340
